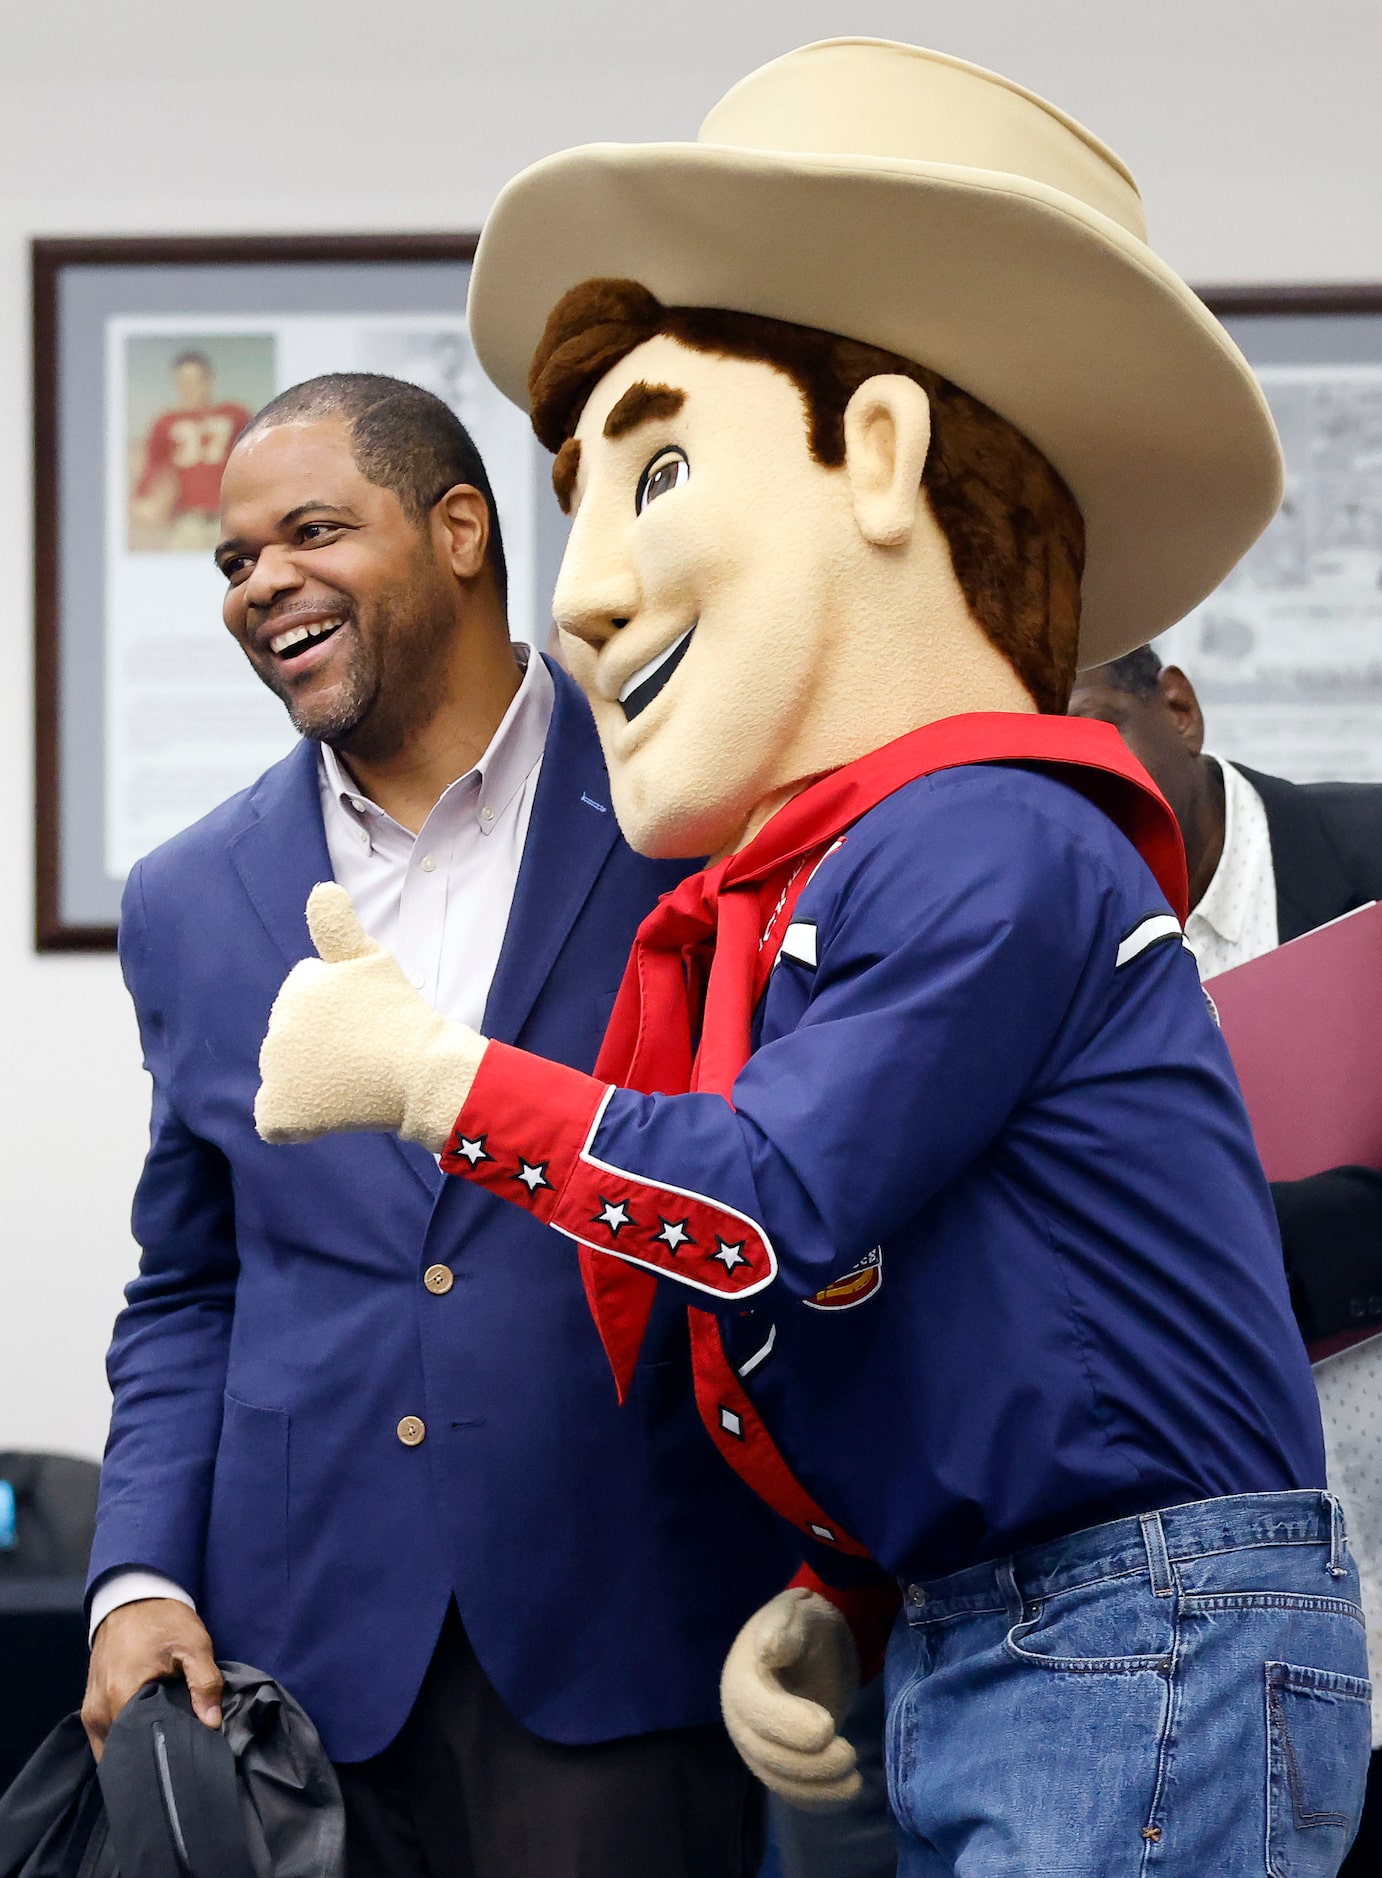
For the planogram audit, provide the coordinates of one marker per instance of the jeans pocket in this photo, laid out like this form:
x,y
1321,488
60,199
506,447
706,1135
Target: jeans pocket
x,y
1319,1738
1116,1627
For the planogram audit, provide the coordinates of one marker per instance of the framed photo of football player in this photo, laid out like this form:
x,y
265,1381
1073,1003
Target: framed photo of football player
x,y
187,398
150,357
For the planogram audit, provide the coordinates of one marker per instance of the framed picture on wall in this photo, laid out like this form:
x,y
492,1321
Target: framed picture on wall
x,y
150,356
1287,654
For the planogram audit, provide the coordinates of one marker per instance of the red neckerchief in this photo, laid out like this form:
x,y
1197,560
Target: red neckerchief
x,y
702,957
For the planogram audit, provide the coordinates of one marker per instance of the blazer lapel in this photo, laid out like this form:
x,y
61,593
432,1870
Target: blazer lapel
x,y
1311,885
279,856
570,835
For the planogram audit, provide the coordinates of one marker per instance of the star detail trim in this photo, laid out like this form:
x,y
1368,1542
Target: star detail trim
x,y
472,1150
728,1255
674,1234
532,1174
613,1215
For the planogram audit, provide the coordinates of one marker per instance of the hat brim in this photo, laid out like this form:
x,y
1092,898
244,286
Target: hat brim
x,y
1049,312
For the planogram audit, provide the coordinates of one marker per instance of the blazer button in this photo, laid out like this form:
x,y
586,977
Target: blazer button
x,y
438,1280
412,1432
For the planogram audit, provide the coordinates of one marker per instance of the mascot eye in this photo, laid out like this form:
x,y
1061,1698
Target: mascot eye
x,y
668,470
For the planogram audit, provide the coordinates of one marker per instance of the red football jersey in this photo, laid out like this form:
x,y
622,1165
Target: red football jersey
x,y
194,445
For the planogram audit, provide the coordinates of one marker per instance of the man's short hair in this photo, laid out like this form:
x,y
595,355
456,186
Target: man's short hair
x,y
193,358
1015,532
402,439
1136,673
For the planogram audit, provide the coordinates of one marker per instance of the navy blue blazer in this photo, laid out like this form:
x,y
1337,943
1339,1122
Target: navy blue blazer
x,y
279,1330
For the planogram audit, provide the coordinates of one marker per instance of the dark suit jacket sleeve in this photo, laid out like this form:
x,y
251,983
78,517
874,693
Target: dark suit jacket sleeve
x,y
167,1362
1331,1234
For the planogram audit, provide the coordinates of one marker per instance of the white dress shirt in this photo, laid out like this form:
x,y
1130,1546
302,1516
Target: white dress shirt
x,y
438,900
1236,919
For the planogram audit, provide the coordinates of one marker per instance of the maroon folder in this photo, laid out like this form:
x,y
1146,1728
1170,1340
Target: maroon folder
x,y
1304,1028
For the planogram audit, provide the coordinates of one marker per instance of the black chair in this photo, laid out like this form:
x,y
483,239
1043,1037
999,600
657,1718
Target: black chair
x,y
47,1522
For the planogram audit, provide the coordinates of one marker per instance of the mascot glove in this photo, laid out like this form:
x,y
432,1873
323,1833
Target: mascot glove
x,y
351,1045
788,1681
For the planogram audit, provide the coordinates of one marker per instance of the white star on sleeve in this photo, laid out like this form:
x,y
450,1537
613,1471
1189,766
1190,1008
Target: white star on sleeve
x,y
674,1234
613,1214
473,1151
532,1174
729,1255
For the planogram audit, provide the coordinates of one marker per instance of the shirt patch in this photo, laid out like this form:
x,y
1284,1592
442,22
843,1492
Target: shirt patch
x,y
859,1282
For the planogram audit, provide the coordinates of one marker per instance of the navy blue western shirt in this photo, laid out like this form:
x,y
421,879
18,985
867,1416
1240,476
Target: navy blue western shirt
x,y
991,1248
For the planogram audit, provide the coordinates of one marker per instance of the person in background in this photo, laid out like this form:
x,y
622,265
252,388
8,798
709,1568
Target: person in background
x,y
1268,861
364,1434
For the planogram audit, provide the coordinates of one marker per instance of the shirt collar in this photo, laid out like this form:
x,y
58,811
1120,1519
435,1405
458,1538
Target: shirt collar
x,y
513,752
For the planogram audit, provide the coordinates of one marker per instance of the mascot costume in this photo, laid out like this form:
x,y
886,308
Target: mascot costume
x,y
875,415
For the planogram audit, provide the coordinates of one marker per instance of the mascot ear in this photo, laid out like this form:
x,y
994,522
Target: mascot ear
x,y
887,435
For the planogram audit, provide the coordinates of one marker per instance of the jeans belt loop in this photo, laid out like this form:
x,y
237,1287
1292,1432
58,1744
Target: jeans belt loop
x,y
1158,1561
1007,1584
1338,1538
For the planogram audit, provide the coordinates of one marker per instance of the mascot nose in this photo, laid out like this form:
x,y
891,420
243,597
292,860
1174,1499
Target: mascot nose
x,y
595,609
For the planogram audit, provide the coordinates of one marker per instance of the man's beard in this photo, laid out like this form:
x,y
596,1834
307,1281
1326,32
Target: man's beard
x,y
393,679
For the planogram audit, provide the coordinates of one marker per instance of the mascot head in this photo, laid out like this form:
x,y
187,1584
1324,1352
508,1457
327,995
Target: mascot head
x,y
870,407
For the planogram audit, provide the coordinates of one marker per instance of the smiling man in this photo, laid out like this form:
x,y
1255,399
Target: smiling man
x,y
362,1434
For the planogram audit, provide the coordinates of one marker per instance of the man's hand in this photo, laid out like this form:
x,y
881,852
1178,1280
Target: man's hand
x,y
351,1045
141,1643
788,1681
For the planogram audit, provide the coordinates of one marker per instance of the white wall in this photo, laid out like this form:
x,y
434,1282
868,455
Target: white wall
x,y
1252,126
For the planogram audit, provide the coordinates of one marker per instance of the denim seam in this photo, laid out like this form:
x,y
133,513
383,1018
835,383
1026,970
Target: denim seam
x,y
892,1729
996,1610
925,1617
1270,1601
1166,1746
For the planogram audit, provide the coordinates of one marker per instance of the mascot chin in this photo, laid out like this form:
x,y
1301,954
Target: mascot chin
x,y
875,417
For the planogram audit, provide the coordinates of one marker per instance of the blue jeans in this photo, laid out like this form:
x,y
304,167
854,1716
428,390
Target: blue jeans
x,y
1183,1694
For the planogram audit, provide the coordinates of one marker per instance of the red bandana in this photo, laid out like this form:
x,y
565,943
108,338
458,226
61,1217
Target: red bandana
x,y
703,956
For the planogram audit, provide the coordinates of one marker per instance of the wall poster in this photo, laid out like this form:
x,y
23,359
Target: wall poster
x,y
1286,655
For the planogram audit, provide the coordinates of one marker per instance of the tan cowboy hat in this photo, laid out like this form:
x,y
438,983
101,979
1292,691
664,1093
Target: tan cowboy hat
x,y
927,206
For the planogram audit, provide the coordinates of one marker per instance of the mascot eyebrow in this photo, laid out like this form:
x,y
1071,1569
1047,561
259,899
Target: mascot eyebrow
x,y
640,404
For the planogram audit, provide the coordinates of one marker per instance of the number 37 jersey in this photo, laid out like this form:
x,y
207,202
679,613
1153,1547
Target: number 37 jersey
x,y
193,446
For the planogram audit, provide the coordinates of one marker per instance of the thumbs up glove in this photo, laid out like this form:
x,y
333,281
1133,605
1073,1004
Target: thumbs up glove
x,y
351,1045
787,1684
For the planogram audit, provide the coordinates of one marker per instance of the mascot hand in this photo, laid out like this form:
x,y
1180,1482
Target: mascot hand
x,y
351,1045
788,1680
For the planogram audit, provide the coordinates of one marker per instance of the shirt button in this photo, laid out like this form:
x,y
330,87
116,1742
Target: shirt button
x,y
486,815
438,1280
916,1594
411,1432
357,804
427,864
364,835
417,981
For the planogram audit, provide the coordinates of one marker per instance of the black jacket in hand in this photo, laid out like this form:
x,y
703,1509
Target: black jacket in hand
x,y
173,1798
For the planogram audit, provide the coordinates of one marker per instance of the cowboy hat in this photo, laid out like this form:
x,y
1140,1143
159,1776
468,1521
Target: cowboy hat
x,y
924,205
